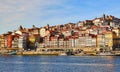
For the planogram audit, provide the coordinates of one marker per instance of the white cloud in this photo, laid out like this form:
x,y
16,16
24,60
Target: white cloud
x,y
27,12
14,11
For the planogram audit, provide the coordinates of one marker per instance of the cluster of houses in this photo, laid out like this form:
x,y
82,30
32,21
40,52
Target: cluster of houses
x,y
101,33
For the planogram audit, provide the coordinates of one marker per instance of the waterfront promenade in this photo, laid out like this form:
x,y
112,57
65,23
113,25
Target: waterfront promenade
x,y
54,51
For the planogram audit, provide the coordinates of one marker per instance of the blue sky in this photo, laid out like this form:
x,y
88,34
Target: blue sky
x,y
14,13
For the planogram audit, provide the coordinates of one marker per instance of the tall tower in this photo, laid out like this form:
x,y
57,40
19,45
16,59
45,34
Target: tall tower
x,y
20,28
103,16
48,26
104,19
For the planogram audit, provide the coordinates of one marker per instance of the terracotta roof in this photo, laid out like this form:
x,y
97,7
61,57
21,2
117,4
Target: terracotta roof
x,y
94,26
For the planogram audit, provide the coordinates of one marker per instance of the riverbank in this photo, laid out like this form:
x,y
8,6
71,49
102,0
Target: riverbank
x,y
57,52
27,53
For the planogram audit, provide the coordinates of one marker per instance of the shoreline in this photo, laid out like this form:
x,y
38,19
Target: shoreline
x,y
52,52
34,53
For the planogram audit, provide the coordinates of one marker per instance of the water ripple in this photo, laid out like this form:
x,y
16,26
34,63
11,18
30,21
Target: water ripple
x,y
59,63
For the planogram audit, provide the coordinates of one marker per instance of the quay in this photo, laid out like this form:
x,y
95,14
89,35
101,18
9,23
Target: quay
x,y
58,51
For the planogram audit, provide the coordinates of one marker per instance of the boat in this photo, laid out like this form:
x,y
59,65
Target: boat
x,y
12,53
105,54
9,53
63,54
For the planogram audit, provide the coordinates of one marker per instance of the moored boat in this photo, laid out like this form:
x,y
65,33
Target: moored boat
x,y
11,53
105,54
63,54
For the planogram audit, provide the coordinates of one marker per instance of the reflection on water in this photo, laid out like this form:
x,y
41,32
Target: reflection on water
x,y
49,63
59,64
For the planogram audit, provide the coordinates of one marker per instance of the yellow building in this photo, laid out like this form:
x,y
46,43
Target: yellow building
x,y
108,40
105,41
100,41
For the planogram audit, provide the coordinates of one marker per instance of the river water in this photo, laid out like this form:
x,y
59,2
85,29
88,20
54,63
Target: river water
x,y
59,64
